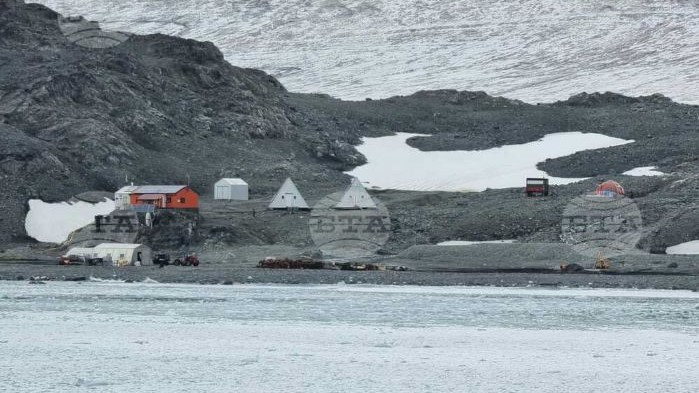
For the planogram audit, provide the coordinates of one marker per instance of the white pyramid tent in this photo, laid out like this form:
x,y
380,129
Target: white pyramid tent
x,y
288,197
356,197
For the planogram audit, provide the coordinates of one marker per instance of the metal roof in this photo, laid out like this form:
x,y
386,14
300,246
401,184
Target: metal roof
x,y
118,245
234,181
158,189
74,250
126,190
150,197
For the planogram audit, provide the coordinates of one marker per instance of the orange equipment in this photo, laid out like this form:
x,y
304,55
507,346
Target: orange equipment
x,y
610,188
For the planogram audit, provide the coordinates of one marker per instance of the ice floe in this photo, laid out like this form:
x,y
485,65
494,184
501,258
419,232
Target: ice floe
x,y
355,339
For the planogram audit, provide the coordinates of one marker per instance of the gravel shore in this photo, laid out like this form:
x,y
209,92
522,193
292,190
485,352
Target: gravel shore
x,y
229,275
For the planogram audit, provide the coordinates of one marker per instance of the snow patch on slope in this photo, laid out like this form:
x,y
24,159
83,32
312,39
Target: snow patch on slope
x,y
393,164
53,222
688,248
644,171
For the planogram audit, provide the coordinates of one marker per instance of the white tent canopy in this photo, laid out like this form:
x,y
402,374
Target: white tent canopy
x,y
82,252
356,197
118,254
231,189
125,254
288,197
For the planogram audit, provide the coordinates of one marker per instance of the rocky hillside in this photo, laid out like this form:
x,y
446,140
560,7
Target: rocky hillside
x,y
160,109
666,133
155,109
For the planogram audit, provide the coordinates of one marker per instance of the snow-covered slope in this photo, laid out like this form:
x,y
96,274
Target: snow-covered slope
x,y
690,248
393,164
535,50
53,222
643,171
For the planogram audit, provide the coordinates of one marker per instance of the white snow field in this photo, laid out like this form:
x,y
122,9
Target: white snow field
x,y
690,248
116,337
644,171
53,222
393,164
533,50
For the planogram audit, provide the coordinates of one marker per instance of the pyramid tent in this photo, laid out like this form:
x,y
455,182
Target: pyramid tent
x,y
288,197
356,197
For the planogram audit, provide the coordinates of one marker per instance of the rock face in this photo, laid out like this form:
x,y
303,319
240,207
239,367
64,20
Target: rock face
x,y
155,109
159,109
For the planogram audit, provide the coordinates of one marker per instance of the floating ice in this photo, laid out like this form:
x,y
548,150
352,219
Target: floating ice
x,y
66,337
105,280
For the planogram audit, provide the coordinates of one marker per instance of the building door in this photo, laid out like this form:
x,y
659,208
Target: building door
x,y
220,192
290,200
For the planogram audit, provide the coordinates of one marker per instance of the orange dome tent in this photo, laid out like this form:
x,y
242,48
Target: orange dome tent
x,y
610,188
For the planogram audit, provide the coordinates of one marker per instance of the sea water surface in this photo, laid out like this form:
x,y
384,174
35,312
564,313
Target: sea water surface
x,y
118,337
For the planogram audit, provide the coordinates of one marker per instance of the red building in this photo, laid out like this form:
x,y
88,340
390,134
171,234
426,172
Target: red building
x,y
610,188
537,186
165,197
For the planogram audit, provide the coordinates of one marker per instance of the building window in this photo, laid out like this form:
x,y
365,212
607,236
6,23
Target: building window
x,y
182,200
168,200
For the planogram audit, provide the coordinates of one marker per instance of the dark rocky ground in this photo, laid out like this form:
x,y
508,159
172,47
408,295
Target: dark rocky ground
x,y
228,275
162,109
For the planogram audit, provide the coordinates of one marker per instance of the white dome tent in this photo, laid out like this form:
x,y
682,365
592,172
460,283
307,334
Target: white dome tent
x,y
356,197
288,197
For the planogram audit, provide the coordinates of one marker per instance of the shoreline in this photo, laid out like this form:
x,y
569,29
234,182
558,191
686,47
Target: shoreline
x,y
219,275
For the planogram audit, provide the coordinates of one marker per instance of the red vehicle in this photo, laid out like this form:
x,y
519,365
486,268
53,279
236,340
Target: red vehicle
x,y
187,260
69,260
537,187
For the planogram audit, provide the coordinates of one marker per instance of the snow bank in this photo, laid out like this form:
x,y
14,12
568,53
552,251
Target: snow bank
x,y
393,164
690,248
53,222
643,171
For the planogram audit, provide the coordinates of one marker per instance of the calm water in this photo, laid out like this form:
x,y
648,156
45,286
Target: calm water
x,y
101,336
